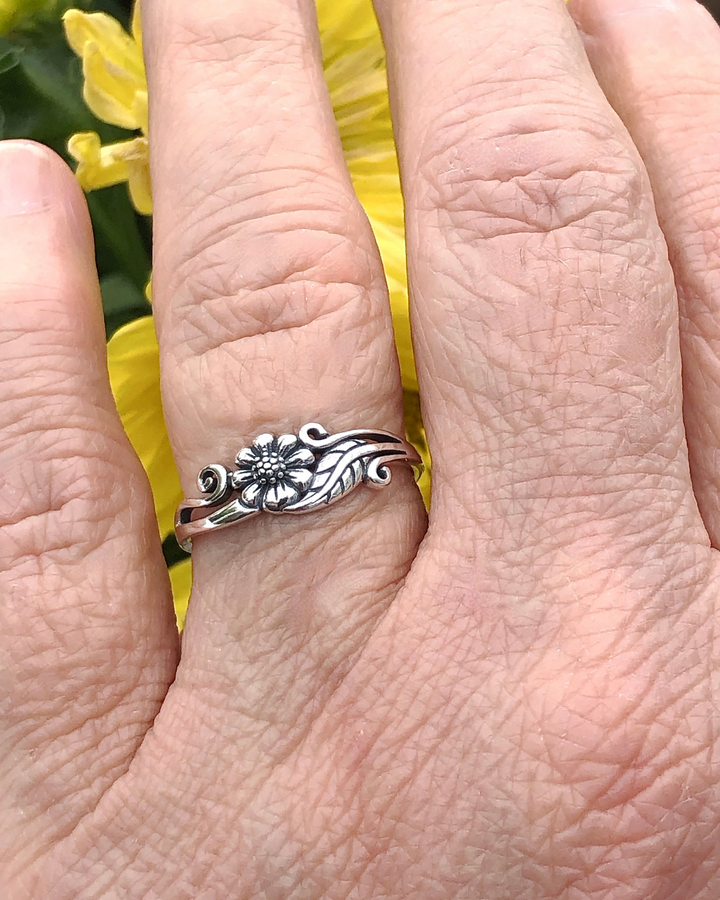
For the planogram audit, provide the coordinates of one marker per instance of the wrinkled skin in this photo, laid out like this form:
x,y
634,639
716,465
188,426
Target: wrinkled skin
x,y
521,702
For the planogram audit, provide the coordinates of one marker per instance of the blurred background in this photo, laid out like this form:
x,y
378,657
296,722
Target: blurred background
x,y
41,85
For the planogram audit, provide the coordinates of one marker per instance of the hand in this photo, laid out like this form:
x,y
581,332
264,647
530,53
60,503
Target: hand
x,y
521,704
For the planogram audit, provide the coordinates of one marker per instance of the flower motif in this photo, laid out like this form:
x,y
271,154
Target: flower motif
x,y
273,472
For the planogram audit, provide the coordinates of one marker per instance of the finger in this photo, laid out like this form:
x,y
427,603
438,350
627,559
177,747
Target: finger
x,y
272,312
545,313
87,643
659,65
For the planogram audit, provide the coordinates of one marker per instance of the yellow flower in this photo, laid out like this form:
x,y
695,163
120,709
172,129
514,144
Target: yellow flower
x,y
116,90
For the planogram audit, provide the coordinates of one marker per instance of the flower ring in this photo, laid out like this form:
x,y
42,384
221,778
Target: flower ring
x,y
291,474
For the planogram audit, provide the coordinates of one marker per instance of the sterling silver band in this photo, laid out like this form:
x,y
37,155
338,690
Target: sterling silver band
x,y
291,474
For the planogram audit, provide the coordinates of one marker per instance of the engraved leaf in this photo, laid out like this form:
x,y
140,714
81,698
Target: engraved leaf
x,y
338,471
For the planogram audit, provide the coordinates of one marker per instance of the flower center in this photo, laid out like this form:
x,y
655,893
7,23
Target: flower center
x,y
269,469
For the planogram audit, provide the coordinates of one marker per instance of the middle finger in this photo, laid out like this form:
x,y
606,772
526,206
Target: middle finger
x,y
544,306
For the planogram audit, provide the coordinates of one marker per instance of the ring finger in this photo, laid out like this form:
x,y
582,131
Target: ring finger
x,y
272,312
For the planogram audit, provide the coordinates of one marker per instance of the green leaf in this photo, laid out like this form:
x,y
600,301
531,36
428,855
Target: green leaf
x,y
9,55
122,301
118,244
172,551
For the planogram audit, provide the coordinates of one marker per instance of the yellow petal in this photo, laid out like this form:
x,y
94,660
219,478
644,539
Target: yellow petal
x,y
140,109
133,361
114,43
109,91
392,251
94,170
100,166
9,10
136,25
133,152
416,435
139,184
113,68
347,21
355,72
84,146
181,580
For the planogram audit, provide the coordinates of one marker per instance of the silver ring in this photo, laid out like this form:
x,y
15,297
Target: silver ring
x,y
291,474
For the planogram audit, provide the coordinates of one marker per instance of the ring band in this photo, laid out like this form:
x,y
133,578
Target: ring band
x,y
291,474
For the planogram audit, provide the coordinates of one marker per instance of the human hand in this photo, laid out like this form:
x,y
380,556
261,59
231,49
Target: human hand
x,y
522,704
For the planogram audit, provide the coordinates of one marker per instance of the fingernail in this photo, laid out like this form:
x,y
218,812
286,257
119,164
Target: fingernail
x,y
25,178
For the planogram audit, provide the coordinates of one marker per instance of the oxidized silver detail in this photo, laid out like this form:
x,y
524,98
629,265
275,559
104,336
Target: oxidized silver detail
x,y
291,474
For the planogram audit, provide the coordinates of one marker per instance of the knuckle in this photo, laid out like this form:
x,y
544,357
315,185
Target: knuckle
x,y
318,263
526,178
267,305
191,37
61,502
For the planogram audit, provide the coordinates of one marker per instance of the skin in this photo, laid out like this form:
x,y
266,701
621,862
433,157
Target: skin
x,y
520,702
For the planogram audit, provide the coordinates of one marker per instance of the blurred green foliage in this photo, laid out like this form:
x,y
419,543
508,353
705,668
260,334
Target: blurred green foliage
x,y
41,99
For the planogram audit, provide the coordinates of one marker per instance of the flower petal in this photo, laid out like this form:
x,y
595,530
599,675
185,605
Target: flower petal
x,y
392,249
110,92
301,457
243,475
264,442
279,495
94,170
252,495
107,34
301,478
136,25
181,581
286,443
355,72
139,185
101,166
247,457
133,362
416,435
140,109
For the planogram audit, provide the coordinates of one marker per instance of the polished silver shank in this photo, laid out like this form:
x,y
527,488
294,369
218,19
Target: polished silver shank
x,y
291,474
